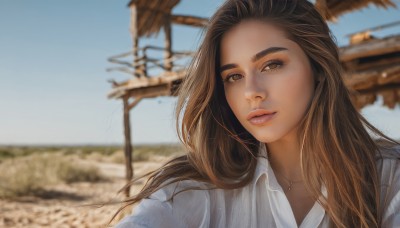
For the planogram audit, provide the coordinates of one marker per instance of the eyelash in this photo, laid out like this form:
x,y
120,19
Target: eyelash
x,y
279,64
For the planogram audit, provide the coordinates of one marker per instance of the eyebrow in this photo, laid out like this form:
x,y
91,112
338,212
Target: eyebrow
x,y
255,58
267,51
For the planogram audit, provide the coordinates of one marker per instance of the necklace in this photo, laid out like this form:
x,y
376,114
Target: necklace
x,y
290,182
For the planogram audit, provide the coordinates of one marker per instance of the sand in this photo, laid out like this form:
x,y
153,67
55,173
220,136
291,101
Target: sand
x,y
64,205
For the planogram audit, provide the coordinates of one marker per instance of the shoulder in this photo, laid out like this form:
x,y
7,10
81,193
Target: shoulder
x,y
388,151
388,162
180,204
388,167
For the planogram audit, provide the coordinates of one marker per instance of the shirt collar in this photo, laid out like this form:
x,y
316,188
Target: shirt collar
x,y
264,168
317,213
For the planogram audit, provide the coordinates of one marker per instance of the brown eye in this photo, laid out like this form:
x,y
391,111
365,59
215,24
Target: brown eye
x,y
272,65
234,77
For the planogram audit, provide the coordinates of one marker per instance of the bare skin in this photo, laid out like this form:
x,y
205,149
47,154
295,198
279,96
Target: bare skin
x,y
299,198
263,70
286,165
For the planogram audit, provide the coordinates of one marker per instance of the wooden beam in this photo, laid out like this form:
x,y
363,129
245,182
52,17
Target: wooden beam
x,y
168,43
134,103
371,48
380,89
164,80
390,75
372,78
128,146
153,91
189,20
362,80
357,65
135,41
134,29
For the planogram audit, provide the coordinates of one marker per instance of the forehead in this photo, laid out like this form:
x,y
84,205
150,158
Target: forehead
x,y
249,37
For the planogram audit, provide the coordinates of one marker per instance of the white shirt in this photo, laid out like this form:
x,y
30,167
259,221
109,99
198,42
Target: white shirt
x,y
261,203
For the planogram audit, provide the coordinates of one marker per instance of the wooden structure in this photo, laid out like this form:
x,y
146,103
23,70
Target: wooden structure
x,y
149,17
331,9
367,64
372,67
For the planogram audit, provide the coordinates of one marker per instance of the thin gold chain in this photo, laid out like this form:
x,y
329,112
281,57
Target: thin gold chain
x,y
286,179
290,182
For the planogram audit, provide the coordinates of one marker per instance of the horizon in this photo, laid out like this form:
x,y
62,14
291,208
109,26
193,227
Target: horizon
x,y
53,79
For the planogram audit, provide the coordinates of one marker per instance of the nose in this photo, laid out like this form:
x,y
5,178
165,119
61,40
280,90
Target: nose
x,y
254,90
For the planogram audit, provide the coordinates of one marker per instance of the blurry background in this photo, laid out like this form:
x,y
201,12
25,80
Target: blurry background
x,y
61,139
53,83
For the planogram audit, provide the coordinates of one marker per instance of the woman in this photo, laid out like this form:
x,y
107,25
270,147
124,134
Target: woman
x,y
272,137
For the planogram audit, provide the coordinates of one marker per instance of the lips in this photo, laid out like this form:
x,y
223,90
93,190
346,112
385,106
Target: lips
x,y
260,116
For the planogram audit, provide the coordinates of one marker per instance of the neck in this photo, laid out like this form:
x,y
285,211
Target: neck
x,y
284,157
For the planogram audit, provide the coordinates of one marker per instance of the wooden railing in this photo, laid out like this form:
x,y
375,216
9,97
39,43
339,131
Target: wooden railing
x,y
143,62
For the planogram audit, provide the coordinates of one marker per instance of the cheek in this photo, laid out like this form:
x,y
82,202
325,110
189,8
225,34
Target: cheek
x,y
298,91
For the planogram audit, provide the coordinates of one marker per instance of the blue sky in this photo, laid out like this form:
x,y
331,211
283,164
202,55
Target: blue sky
x,y
53,79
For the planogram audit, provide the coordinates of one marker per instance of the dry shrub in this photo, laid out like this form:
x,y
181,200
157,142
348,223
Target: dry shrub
x,y
98,157
147,153
118,157
75,173
138,156
30,175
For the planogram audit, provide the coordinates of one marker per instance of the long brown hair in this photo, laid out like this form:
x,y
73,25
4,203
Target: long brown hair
x,y
337,150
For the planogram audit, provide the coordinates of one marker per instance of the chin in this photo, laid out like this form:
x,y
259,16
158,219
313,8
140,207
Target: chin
x,y
266,137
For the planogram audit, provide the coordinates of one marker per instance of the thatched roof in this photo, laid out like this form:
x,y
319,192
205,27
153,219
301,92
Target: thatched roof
x,y
372,66
331,9
152,14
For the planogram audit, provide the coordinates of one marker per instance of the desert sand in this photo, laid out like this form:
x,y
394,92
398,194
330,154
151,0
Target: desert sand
x,y
65,205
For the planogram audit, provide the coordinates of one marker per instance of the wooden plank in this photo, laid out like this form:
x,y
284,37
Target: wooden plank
x,y
371,78
149,92
189,20
134,23
141,83
378,63
135,36
390,75
363,80
370,48
128,146
381,88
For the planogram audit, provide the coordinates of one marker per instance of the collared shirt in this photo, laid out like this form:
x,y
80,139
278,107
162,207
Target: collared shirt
x,y
261,203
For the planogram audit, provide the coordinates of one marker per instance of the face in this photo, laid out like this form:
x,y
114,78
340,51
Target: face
x,y
267,78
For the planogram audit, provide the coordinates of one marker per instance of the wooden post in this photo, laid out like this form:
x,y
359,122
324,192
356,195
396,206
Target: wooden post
x,y
168,43
135,37
128,145
134,29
